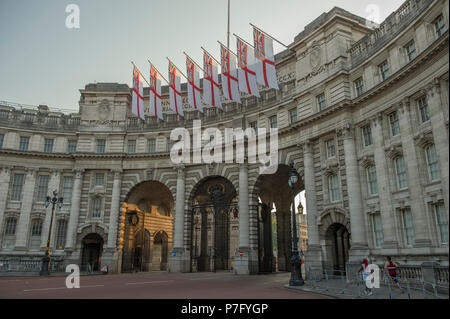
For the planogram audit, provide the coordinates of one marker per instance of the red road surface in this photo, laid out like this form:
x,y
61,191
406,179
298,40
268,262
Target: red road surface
x,y
156,285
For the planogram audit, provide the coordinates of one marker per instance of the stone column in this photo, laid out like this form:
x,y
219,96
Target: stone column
x,y
53,184
313,256
74,210
383,182
178,261
420,222
440,134
358,249
5,177
25,212
244,256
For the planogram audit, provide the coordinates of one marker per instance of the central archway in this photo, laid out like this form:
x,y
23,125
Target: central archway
x,y
215,225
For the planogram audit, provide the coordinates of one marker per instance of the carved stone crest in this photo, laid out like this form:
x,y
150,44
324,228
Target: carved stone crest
x,y
315,57
104,110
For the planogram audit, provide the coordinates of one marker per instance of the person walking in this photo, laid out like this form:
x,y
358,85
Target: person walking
x,y
392,271
364,268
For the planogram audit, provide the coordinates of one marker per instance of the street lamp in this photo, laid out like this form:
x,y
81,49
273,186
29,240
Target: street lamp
x,y
54,201
296,265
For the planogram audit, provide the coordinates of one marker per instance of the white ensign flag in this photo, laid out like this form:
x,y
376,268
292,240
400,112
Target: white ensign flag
x,y
230,84
266,74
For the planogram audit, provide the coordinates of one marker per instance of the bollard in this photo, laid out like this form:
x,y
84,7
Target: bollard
x,y
409,289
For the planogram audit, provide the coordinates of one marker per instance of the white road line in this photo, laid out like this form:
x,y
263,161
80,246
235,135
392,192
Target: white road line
x,y
42,289
147,282
203,278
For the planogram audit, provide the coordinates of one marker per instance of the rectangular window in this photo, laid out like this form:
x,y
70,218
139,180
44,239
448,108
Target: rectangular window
x,y
4,114
408,228
394,123
99,179
377,230
367,135
24,142
48,145
151,145
333,184
293,115
359,86
42,188
372,180
101,146
442,222
423,108
67,189
400,169
411,51
273,121
71,147
36,228
321,103
331,148
384,70
2,137
433,166
61,231
97,207
10,229
439,25
132,147
16,192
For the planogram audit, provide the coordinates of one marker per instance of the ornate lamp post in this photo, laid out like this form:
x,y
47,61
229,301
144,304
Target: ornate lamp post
x,y
54,201
296,265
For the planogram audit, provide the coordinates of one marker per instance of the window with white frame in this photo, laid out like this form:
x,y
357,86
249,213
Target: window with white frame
x,y
67,189
24,143
321,103
333,187
17,186
273,121
367,135
61,233
377,230
359,86
408,228
99,179
331,148
400,170
48,145
432,162
151,145
9,233
42,188
423,109
96,207
441,222
394,124
71,146
384,70
410,49
372,180
36,231
293,115
131,146
101,146
439,26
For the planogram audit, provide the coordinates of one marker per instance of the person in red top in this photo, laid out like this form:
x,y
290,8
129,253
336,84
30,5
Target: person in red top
x,y
392,271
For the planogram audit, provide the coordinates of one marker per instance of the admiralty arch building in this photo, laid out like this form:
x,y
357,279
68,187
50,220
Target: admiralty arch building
x,y
362,112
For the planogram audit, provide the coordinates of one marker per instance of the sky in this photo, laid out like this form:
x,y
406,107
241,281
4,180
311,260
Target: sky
x,y
44,62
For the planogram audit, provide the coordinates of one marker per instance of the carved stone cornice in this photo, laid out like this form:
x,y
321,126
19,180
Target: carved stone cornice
x,y
424,139
394,151
149,173
78,172
368,161
330,168
32,171
117,173
6,169
347,132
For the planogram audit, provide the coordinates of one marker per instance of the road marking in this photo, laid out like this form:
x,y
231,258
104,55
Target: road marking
x,y
147,282
63,288
203,278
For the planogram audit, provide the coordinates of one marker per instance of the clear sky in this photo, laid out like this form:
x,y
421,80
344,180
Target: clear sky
x,y
43,62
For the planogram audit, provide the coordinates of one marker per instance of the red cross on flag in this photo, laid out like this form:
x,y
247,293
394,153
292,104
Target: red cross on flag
x,y
176,103
155,93
193,79
246,71
265,66
211,92
230,82
137,96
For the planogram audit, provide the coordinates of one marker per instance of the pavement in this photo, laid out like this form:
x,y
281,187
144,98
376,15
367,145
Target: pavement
x,y
156,285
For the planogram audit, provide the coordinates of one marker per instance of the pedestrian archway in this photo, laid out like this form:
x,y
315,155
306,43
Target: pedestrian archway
x,y
91,252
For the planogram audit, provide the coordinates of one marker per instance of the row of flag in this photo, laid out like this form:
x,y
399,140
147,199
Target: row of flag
x,y
241,72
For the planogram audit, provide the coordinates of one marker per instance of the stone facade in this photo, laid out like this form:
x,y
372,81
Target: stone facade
x,y
362,113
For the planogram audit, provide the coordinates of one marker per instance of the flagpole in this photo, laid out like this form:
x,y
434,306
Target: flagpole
x,y
193,61
271,37
177,68
140,73
228,28
250,45
158,71
227,48
211,55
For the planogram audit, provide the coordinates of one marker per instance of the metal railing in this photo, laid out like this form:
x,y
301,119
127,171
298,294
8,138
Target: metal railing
x,y
29,265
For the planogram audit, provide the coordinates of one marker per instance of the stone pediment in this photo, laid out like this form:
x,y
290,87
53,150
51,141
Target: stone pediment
x,y
368,161
424,139
394,151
